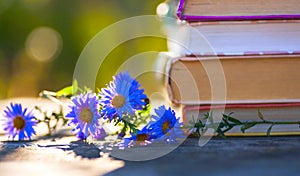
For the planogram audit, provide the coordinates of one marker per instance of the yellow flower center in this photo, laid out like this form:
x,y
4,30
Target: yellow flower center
x,y
118,101
19,122
141,137
165,127
86,115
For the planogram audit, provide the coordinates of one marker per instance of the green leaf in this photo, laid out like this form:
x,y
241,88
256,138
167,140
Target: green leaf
x,y
247,126
68,91
269,130
231,119
98,90
260,115
222,124
206,115
65,91
198,124
86,89
75,86
220,133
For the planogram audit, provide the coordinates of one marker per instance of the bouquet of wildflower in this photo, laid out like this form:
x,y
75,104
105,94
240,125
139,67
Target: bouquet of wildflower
x,y
122,103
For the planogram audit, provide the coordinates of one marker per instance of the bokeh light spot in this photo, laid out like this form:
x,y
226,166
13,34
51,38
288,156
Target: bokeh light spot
x,y
43,44
162,9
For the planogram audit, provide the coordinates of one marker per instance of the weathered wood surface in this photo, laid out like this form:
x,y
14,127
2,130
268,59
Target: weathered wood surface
x,y
238,156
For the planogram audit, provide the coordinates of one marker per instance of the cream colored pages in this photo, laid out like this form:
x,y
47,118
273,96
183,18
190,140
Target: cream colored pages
x,y
239,38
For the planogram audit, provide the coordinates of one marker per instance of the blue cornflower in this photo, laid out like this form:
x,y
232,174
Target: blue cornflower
x,y
84,115
100,134
79,134
141,136
122,96
166,126
19,121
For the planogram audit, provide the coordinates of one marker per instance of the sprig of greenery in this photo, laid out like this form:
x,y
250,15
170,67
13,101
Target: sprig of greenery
x,y
128,123
228,122
66,92
52,120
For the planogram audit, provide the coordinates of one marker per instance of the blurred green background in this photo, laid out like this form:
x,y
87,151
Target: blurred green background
x,y
41,40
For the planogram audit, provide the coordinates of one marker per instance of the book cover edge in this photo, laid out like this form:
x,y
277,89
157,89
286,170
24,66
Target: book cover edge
x,y
193,18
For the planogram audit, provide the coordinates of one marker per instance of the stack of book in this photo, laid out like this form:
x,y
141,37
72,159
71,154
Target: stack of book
x,y
239,56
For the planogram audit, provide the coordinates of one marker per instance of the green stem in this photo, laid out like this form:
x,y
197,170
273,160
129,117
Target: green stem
x,y
229,126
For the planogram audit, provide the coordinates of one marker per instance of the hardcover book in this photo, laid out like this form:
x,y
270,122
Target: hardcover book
x,y
220,10
248,79
236,38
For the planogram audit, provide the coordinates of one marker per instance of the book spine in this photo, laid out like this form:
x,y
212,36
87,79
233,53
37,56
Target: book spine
x,y
167,80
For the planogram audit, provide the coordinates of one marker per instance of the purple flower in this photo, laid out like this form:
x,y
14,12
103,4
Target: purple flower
x,y
19,121
80,135
166,127
84,115
142,137
122,96
100,134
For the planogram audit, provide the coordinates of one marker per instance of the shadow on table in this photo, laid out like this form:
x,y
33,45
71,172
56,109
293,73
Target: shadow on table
x,y
9,147
80,148
83,149
234,156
